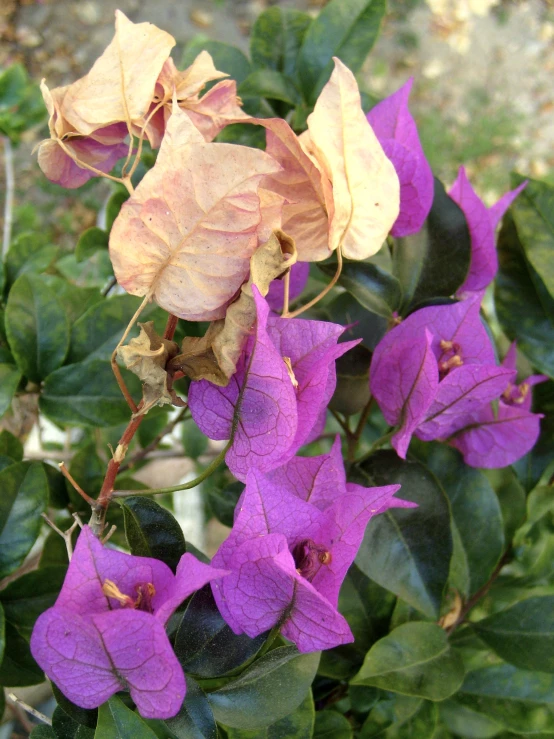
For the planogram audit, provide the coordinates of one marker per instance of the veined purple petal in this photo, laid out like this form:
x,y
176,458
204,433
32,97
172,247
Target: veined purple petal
x,y
396,130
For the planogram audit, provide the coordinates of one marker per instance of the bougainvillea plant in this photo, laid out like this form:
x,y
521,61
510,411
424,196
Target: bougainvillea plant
x,y
277,270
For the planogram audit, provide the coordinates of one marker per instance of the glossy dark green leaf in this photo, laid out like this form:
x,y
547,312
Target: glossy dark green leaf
x,y
362,324
195,720
332,725
86,394
424,723
276,37
29,253
30,595
367,607
114,206
116,721
344,28
269,84
37,327
297,725
13,81
373,287
152,531
223,501
96,334
415,659
511,496
391,710
352,389
205,645
243,134
408,550
10,377
75,300
18,667
475,510
267,691
90,241
87,717
226,58
523,635
24,497
533,213
10,446
65,727
434,262
468,722
42,731
525,308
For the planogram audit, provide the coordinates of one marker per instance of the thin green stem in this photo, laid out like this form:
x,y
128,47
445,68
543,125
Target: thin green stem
x,y
182,486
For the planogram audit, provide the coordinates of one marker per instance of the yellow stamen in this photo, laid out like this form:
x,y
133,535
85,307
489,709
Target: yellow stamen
x,y
110,589
292,376
455,361
446,346
325,558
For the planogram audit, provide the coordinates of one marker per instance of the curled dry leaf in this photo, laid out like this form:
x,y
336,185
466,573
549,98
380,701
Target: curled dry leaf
x,y
186,235
366,190
214,357
120,86
147,357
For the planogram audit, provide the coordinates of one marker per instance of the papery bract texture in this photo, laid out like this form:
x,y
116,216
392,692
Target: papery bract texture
x,y
396,130
270,406
366,190
187,233
288,556
482,223
105,632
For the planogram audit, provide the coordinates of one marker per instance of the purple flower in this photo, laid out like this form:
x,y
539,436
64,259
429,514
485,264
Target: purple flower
x,y
298,277
106,633
434,369
482,223
296,532
396,130
285,378
498,437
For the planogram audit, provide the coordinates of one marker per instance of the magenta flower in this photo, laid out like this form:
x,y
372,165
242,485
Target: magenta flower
x,y
482,223
297,531
298,277
396,130
284,380
106,633
497,438
434,369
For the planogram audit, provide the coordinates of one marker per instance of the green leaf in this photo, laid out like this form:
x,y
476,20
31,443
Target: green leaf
x,y
297,725
195,443
346,310
152,531
331,725
373,287
533,213
408,550
523,635
18,667
86,394
515,698
391,710
88,470
267,691
74,300
468,722
10,377
43,731
10,446
352,390
205,645
87,717
226,58
415,659
97,332
475,511
195,720
24,497
2,633
65,727
424,723
511,496
434,262
13,82
116,721
30,595
269,84
37,327
367,607
29,254
243,134
114,206
525,308
344,28
276,38
90,241
222,502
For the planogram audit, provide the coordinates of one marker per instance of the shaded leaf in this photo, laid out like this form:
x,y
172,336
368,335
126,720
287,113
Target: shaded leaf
x,y
223,502
276,37
195,720
225,57
37,327
116,721
415,659
269,84
346,310
331,725
152,531
408,550
10,377
297,725
10,446
65,727
90,241
31,594
373,287
18,667
267,691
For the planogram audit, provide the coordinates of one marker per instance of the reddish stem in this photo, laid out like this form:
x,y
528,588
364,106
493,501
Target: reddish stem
x,y
170,327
